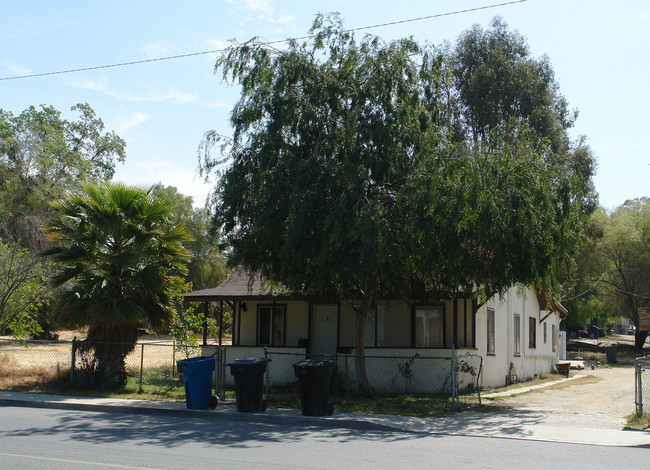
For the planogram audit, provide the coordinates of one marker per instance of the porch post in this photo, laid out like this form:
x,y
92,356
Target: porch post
x,y
220,321
205,323
238,321
474,310
455,321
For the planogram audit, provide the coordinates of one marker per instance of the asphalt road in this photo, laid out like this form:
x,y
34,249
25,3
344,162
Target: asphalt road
x,y
39,438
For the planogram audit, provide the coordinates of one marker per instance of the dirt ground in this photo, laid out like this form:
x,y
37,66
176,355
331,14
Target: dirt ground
x,y
602,399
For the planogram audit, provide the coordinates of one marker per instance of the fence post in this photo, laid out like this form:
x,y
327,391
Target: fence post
x,y
266,356
347,379
638,387
72,358
141,366
173,358
453,378
222,379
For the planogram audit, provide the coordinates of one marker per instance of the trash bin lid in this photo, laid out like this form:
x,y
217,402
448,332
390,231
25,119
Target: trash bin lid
x,y
195,364
313,364
248,361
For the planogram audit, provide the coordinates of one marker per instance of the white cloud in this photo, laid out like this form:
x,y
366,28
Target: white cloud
x,y
102,86
172,95
147,173
261,10
92,85
17,69
124,123
155,51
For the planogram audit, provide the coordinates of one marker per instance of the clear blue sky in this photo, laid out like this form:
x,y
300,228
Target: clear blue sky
x,y
599,50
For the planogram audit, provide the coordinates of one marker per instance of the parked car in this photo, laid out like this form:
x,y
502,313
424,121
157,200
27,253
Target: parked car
x,y
631,329
595,331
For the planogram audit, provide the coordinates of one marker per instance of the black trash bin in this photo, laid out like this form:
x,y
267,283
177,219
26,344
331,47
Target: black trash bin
x,y
249,383
314,380
611,351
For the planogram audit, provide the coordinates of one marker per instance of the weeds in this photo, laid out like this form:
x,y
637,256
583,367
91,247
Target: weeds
x,y
401,405
638,423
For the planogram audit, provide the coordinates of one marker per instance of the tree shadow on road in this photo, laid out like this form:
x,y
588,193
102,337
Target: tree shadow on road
x,y
218,430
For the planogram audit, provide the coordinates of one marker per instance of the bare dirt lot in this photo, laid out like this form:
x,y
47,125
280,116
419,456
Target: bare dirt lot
x,y
602,398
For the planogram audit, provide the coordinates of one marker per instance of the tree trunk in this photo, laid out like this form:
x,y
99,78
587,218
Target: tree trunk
x,y
363,384
111,365
639,339
111,344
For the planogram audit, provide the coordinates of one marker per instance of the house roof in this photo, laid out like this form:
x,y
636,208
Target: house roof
x,y
556,306
239,285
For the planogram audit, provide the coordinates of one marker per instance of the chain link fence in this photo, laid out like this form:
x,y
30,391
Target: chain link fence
x,y
641,383
150,366
454,376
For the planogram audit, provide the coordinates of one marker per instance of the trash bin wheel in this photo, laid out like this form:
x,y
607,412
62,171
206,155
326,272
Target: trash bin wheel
x,y
330,409
263,405
213,402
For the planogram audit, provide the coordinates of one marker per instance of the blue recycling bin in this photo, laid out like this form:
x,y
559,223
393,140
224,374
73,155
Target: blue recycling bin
x,y
197,375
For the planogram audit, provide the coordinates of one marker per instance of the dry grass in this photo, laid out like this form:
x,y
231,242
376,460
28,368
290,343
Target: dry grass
x,y
25,365
16,375
560,384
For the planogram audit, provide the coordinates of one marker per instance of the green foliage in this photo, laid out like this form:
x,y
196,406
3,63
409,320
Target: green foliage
x,y
614,267
22,278
41,156
343,179
117,248
406,371
207,266
493,79
348,178
187,322
622,260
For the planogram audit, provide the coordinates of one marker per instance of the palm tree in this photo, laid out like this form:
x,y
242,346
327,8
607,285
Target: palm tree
x,y
117,247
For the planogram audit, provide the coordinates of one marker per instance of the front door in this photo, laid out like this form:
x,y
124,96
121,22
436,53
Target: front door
x,y
324,329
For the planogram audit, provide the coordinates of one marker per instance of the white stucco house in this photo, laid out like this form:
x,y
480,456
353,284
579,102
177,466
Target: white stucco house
x,y
516,333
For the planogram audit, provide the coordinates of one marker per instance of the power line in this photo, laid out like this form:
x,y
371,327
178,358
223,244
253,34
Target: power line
x,y
215,51
633,294
587,290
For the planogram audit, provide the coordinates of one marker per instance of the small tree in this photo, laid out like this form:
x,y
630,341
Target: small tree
x,y
117,248
22,290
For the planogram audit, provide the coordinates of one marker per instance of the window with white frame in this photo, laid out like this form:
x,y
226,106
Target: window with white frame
x,y
517,333
429,326
532,332
270,325
490,331
554,337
